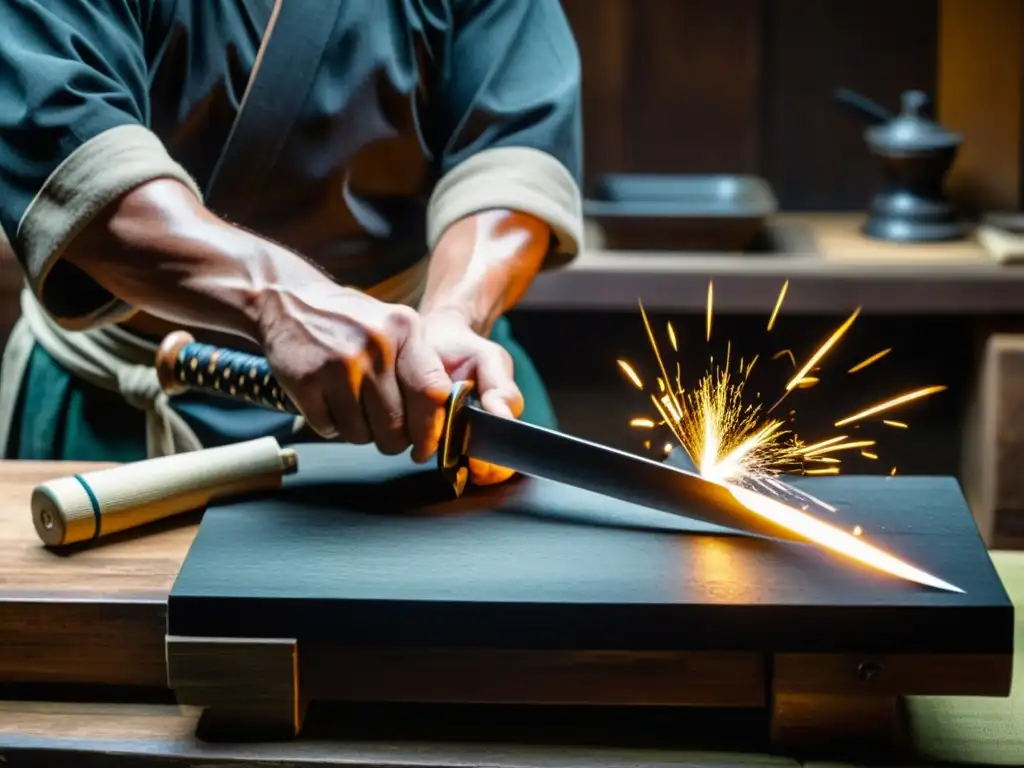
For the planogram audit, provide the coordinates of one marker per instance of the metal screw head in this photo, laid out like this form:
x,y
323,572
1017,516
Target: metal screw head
x,y
867,672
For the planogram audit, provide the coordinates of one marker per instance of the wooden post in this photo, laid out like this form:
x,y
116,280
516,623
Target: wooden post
x,y
993,446
249,687
980,92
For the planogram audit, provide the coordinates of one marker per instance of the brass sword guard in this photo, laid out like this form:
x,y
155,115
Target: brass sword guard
x,y
452,459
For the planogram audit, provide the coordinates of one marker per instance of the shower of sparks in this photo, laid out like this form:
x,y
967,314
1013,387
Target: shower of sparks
x,y
873,359
732,437
733,441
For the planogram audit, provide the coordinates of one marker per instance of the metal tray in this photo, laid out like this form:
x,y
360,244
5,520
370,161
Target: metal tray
x,y
680,212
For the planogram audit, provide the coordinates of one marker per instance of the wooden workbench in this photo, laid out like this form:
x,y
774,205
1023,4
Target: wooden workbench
x,y
97,616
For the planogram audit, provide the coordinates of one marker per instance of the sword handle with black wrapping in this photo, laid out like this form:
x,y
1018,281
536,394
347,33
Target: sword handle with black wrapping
x,y
182,363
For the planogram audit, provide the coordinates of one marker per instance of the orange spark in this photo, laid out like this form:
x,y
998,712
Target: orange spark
x,y
897,424
750,367
841,447
782,352
892,403
778,306
811,448
711,297
873,359
642,423
823,350
630,374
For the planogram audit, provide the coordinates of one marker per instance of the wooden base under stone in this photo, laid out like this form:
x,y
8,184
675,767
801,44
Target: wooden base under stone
x,y
259,689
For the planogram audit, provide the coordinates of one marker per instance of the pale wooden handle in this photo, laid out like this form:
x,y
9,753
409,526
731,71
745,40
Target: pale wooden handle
x,y
81,507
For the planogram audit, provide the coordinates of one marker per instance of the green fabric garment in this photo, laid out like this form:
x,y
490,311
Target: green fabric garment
x,y
62,417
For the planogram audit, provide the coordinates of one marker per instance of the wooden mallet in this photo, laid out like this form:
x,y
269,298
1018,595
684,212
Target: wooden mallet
x,y
86,506
93,504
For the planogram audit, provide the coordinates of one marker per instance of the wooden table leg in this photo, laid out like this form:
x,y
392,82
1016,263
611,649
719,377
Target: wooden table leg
x,y
249,688
809,724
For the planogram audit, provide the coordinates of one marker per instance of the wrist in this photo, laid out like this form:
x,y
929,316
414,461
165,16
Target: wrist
x,y
280,285
453,313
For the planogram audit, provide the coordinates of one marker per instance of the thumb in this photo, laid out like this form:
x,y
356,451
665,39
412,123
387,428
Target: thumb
x,y
496,383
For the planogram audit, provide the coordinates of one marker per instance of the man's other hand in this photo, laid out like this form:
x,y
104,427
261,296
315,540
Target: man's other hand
x,y
467,355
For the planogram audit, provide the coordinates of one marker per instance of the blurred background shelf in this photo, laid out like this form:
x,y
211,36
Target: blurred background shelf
x,y
831,267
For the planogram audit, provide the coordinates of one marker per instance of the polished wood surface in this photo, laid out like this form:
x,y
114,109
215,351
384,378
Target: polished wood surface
x,y
90,615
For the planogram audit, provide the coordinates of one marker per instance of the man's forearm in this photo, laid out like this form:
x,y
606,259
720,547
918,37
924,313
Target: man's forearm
x,y
483,264
160,250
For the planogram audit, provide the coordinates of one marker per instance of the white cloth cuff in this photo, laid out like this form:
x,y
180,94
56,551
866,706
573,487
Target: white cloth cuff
x,y
514,178
90,178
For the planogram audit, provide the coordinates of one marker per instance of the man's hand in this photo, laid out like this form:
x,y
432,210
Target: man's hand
x,y
467,355
357,368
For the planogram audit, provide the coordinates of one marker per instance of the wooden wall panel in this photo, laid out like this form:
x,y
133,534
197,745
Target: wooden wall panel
x,y
601,28
745,86
692,105
669,86
813,150
981,52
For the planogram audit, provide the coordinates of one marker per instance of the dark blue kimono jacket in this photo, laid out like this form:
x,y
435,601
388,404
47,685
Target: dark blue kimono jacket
x,y
421,112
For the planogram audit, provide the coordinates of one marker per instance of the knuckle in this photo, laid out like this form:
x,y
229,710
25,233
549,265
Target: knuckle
x,y
396,422
426,381
401,319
